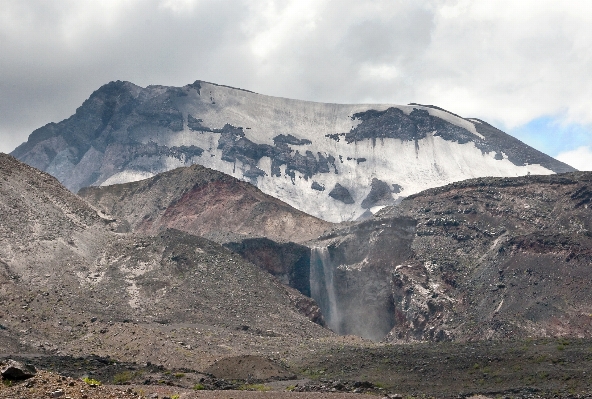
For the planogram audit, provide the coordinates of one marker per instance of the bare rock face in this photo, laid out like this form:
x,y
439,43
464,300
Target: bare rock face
x,y
288,262
350,275
509,252
307,306
380,194
486,258
342,194
297,151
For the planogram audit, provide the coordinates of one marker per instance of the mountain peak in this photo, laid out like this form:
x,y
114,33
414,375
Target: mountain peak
x,y
290,149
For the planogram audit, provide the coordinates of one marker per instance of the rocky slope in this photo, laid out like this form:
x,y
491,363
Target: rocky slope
x,y
484,259
487,258
203,202
450,263
336,162
71,284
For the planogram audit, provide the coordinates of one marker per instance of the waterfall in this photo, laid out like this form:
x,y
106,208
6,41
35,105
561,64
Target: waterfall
x,y
354,300
322,287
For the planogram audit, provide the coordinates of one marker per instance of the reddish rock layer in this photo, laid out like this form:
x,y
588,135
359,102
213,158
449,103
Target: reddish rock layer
x,y
204,202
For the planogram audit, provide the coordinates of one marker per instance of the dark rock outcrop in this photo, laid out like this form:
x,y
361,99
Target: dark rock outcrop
x,y
380,194
485,258
317,186
341,193
394,123
288,262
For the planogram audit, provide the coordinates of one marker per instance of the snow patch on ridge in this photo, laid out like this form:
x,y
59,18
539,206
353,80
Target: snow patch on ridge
x,y
127,176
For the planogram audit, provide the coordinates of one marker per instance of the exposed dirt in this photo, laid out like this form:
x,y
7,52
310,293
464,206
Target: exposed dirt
x,y
51,385
248,368
522,368
508,368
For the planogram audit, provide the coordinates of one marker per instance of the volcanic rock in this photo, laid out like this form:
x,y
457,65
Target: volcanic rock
x,y
341,193
13,370
486,258
204,202
124,132
63,264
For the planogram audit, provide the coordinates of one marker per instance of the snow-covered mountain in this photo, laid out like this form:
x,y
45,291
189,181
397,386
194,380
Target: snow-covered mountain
x,y
334,161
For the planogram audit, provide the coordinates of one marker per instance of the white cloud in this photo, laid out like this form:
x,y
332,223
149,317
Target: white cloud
x,y
383,72
274,23
512,61
179,6
580,158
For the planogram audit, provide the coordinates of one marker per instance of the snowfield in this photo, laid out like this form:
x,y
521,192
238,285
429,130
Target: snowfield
x,y
431,162
338,162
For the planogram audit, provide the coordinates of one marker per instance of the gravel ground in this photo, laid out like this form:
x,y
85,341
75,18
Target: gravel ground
x,y
51,385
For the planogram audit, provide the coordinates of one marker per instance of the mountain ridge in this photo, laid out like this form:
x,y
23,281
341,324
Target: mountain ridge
x,y
205,202
297,151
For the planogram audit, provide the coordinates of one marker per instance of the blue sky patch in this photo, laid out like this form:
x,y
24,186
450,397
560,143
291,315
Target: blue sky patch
x,y
551,136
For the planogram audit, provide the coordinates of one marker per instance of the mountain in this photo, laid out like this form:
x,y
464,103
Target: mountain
x,y
208,203
501,262
483,258
488,258
203,202
335,162
72,284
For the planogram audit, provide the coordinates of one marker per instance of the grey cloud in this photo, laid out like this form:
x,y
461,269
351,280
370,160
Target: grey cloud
x,y
403,36
52,60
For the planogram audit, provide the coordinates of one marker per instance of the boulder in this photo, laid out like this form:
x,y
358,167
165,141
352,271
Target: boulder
x,y
13,370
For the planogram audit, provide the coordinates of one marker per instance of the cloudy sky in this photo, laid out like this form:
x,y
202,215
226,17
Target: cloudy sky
x,y
523,66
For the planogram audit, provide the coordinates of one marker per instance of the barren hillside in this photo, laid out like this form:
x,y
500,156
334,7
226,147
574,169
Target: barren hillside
x,y
495,258
71,285
204,202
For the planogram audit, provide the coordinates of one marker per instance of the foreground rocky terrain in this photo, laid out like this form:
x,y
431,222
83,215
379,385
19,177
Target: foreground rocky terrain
x,y
491,272
517,369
